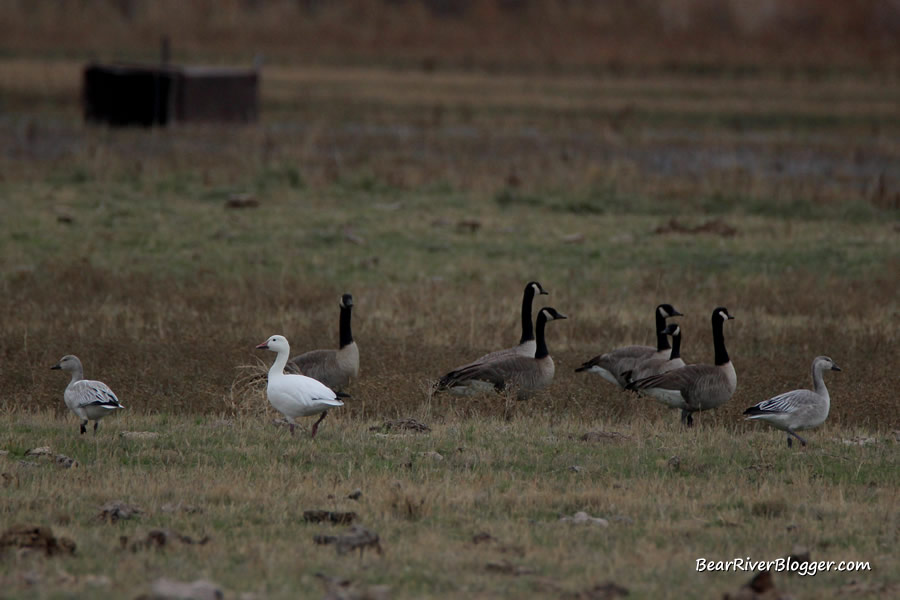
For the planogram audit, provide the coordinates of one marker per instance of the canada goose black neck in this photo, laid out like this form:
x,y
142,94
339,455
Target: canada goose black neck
x,y
541,351
662,340
527,304
719,337
346,333
676,344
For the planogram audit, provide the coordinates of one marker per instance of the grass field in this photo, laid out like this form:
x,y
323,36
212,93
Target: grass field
x,y
432,195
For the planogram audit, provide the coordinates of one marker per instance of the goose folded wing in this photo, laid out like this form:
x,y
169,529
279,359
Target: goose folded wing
x,y
783,403
314,362
94,393
682,380
620,359
499,373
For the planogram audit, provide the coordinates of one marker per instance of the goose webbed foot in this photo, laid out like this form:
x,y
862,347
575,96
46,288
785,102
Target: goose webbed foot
x,y
83,428
315,427
687,419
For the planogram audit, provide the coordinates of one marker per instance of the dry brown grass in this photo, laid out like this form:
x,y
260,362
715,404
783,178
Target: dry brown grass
x,y
169,345
245,484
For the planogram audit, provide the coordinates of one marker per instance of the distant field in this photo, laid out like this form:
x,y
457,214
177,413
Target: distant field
x,y
433,197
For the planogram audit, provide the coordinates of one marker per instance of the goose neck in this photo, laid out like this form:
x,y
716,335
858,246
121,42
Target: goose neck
x,y
819,380
280,363
77,372
541,350
719,342
527,326
662,340
676,347
345,332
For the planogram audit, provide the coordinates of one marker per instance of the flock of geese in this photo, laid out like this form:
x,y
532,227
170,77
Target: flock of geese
x,y
312,383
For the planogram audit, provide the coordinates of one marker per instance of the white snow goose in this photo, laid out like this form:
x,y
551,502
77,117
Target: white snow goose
x,y
89,400
295,395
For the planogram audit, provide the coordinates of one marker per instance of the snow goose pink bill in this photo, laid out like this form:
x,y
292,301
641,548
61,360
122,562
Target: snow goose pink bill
x,y
295,395
89,400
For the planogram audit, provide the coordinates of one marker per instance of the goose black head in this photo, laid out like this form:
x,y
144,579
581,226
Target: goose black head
x,y
672,329
720,313
667,310
536,288
551,313
346,301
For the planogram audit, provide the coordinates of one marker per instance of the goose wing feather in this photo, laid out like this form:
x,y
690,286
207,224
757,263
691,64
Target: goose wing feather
x,y
620,359
788,402
315,362
91,393
500,373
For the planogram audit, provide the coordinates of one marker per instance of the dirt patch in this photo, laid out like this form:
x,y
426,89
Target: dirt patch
x,y
601,591
401,425
339,588
36,538
604,436
158,539
760,587
507,568
328,516
116,510
242,201
355,538
44,452
714,227
179,507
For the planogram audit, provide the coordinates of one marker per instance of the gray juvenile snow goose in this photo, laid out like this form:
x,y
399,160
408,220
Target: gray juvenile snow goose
x,y
89,400
527,343
695,387
613,365
524,374
334,368
657,365
799,409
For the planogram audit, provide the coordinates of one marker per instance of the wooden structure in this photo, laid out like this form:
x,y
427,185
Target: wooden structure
x,y
148,95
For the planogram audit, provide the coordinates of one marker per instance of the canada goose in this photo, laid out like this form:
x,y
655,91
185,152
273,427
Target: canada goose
x,y
799,409
525,374
295,395
695,387
89,400
612,365
656,365
334,368
527,343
